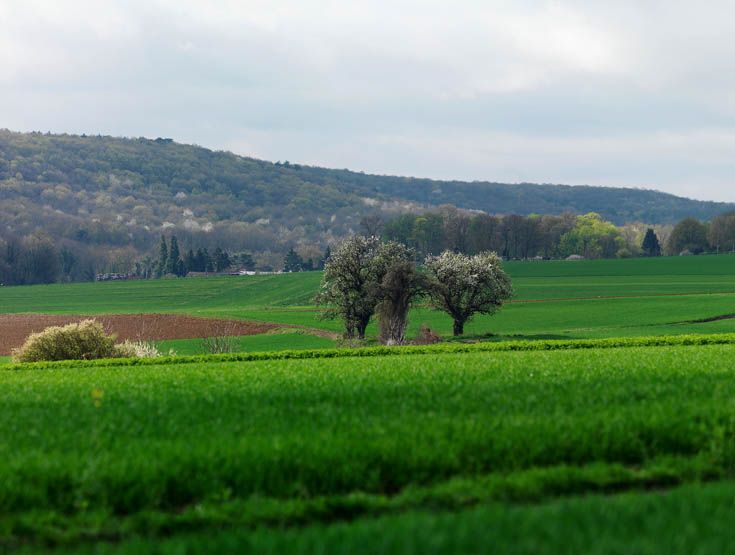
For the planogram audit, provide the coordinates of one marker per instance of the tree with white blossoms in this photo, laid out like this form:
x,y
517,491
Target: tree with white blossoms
x,y
350,284
463,285
364,276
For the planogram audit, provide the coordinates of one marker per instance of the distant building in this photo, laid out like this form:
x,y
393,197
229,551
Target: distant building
x,y
112,277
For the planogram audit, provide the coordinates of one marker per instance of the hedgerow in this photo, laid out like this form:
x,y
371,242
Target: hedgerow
x,y
444,348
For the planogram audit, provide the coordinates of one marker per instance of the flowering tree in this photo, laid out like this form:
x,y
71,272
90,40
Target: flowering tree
x,y
462,285
350,284
364,276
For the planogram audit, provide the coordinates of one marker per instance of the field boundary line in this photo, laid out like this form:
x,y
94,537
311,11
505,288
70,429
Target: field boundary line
x,y
621,297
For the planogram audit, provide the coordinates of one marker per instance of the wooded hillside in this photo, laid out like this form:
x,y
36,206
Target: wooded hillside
x,y
117,196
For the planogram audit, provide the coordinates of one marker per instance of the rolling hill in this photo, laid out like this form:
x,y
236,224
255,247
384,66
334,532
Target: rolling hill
x,y
118,190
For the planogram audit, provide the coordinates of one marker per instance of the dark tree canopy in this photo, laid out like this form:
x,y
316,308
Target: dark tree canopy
x,y
688,235
293,262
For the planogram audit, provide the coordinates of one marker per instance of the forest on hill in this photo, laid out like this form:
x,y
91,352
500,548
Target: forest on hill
x,y
101,204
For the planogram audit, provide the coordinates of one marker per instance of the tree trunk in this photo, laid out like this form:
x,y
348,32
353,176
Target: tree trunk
x,y
393,329
458,327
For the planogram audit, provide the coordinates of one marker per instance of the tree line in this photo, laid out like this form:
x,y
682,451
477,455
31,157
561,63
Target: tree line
x,y
41,258
526,237
172,263
38,259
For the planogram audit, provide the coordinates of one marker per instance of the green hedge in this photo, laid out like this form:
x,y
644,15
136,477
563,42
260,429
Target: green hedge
x,y
445,348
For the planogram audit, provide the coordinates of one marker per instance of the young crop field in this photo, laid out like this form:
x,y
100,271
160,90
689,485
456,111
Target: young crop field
x,y
306,452
589,420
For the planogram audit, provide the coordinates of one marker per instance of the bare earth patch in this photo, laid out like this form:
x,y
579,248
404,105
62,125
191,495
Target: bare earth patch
x,y
14,328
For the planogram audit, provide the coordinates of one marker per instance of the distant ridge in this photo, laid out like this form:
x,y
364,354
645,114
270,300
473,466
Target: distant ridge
x,y
618,204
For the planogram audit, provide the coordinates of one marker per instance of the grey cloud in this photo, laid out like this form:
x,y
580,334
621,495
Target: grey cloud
x,y
626,93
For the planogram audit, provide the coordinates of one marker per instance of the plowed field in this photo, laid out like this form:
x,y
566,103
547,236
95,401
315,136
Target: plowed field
x,y
14,328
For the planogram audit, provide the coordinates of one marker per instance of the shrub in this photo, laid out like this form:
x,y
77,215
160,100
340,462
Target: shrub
x,y
79,341
140,349
219,344
222,340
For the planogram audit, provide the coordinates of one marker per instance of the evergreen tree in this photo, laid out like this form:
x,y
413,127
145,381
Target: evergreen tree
x,y
651,245
162,257
208,265
190,261
292,262
174,257
200,261
244,260
221,260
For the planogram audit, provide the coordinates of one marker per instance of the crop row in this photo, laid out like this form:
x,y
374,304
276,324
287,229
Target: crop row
x,y
692,519
530,486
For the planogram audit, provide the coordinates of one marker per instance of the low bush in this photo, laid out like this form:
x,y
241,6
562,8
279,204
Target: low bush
x,y
219,344
140,349
84,340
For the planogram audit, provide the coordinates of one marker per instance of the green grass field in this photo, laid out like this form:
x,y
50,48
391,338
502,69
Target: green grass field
x,y
283,339
575,445
605,298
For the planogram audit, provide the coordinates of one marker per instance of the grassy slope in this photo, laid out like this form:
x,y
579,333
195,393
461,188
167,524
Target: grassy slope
x,y
161,448
608,298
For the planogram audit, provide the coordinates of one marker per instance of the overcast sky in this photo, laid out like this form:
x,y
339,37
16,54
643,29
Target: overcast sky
x,y
628,93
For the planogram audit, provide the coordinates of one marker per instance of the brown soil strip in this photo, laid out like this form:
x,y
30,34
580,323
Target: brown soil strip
x,y
14,328
709,319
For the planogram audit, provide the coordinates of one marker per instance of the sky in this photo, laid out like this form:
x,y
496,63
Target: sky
x,y
637,93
